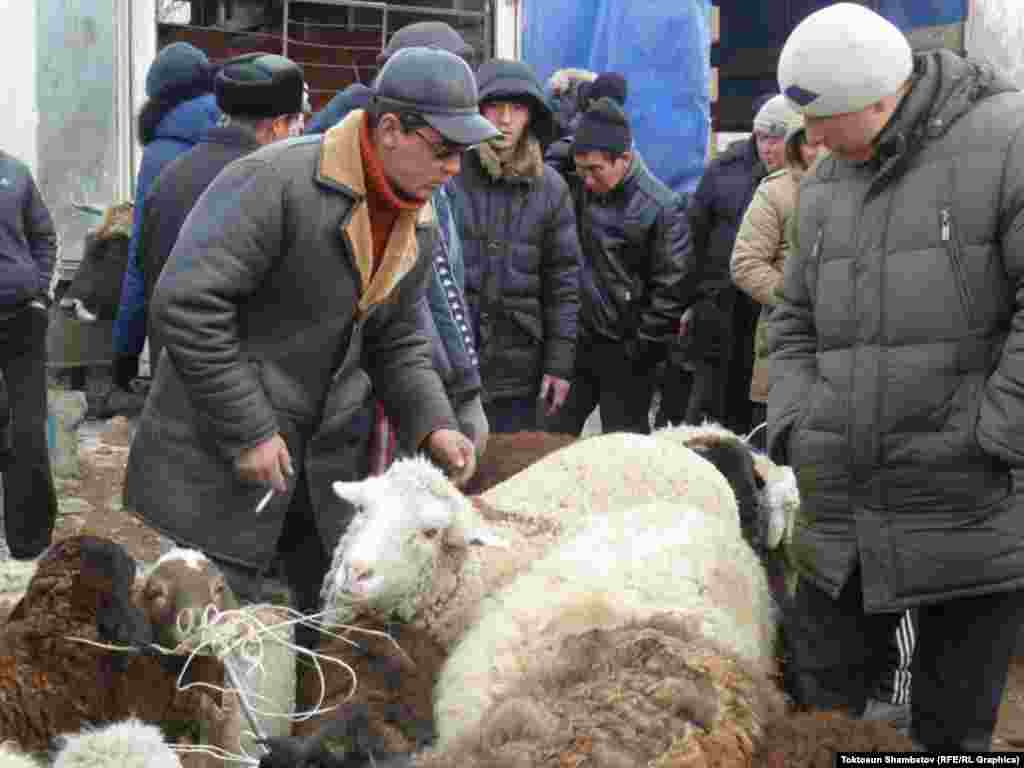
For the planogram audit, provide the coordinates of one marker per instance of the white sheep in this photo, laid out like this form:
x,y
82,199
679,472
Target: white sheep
x,y
408,552
126,744
609,471
624,568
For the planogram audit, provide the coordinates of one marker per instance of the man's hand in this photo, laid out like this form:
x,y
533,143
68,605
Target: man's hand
x,y
266,463
454,453
553,392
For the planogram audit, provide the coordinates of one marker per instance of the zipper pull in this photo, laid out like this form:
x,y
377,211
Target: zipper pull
x,y
816,250
946,225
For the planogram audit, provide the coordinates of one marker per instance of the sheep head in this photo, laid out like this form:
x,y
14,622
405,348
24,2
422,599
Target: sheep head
x,y
127,744
177,593
411,528
766,493
781,497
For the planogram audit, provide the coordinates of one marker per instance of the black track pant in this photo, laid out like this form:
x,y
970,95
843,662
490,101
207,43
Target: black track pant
x,y
959,664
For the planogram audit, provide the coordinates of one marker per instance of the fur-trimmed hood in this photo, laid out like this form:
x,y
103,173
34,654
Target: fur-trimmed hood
x,y
524,165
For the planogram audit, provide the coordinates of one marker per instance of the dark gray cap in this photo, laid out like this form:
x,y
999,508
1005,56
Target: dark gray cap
x,y
426,34
439,87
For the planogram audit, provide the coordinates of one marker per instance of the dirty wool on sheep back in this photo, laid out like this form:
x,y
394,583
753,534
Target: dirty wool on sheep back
x,y
811,739
652,694
610,471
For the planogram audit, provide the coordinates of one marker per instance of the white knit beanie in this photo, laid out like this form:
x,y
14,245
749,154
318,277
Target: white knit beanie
x,y
776,117
841,59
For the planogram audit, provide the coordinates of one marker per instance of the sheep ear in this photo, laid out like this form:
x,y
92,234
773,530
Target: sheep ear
x,y
784,502
355,493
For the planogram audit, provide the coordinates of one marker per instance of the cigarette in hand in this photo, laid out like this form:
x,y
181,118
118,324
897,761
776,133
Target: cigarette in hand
x,y
264,501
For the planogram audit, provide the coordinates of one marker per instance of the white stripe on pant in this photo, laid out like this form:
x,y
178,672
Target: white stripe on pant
x,y
906,639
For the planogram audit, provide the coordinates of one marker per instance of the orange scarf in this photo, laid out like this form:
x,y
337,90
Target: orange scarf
x,y
382,202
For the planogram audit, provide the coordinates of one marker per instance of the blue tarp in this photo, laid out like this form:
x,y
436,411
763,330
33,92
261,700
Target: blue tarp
x,y
909,14
661,46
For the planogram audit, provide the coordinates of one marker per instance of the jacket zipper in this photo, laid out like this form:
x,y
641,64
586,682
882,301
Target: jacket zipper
x,y
952,246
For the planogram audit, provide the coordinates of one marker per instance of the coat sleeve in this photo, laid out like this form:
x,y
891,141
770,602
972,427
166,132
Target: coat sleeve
x,y
41,235
562,263
399,359
701,214
674,276
1000,429
754,265
228,242
792,347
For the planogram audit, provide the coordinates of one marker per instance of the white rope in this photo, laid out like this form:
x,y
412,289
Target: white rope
x,y
239,635
755,430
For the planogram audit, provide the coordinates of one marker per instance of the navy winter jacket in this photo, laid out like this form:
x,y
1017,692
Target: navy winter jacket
x,y
28,242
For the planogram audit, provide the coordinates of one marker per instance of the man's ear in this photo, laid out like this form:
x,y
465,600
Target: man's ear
x,y
388,128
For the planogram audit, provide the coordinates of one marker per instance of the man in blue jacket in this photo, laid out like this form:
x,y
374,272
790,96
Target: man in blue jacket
x,y
28,244
179,110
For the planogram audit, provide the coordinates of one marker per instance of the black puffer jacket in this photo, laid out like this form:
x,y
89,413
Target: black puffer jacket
x,y
523,264
716,210
639,260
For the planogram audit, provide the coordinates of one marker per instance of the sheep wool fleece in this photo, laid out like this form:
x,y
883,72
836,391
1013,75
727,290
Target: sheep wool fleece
x,y
628,566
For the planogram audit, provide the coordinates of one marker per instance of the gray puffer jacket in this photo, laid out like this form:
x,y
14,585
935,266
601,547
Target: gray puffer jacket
x,y
898,350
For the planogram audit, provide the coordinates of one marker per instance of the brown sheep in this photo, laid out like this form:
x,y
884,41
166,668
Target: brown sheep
x,y
396,676
811,740
508,454
651,694
52,684
657,694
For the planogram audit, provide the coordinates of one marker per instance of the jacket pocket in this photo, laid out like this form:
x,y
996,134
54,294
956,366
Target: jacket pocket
x,y
951,243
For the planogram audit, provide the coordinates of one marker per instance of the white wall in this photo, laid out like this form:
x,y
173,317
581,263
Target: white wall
x,y
995,31
143,21
507,34
18,88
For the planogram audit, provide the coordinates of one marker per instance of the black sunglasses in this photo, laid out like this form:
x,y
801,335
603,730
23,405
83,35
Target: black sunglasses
x,y
442,150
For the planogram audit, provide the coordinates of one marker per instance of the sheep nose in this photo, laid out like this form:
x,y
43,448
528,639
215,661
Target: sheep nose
x,y
359,571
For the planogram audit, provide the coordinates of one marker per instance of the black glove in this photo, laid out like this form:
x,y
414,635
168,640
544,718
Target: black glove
x,y
126,368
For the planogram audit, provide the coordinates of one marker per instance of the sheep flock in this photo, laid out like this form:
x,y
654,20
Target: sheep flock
x,y
601,603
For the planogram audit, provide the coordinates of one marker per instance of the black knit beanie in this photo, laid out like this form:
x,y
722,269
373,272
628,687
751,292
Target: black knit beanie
x,y
604,127
610,84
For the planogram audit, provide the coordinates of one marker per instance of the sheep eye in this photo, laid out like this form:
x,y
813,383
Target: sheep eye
x,y
430,533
